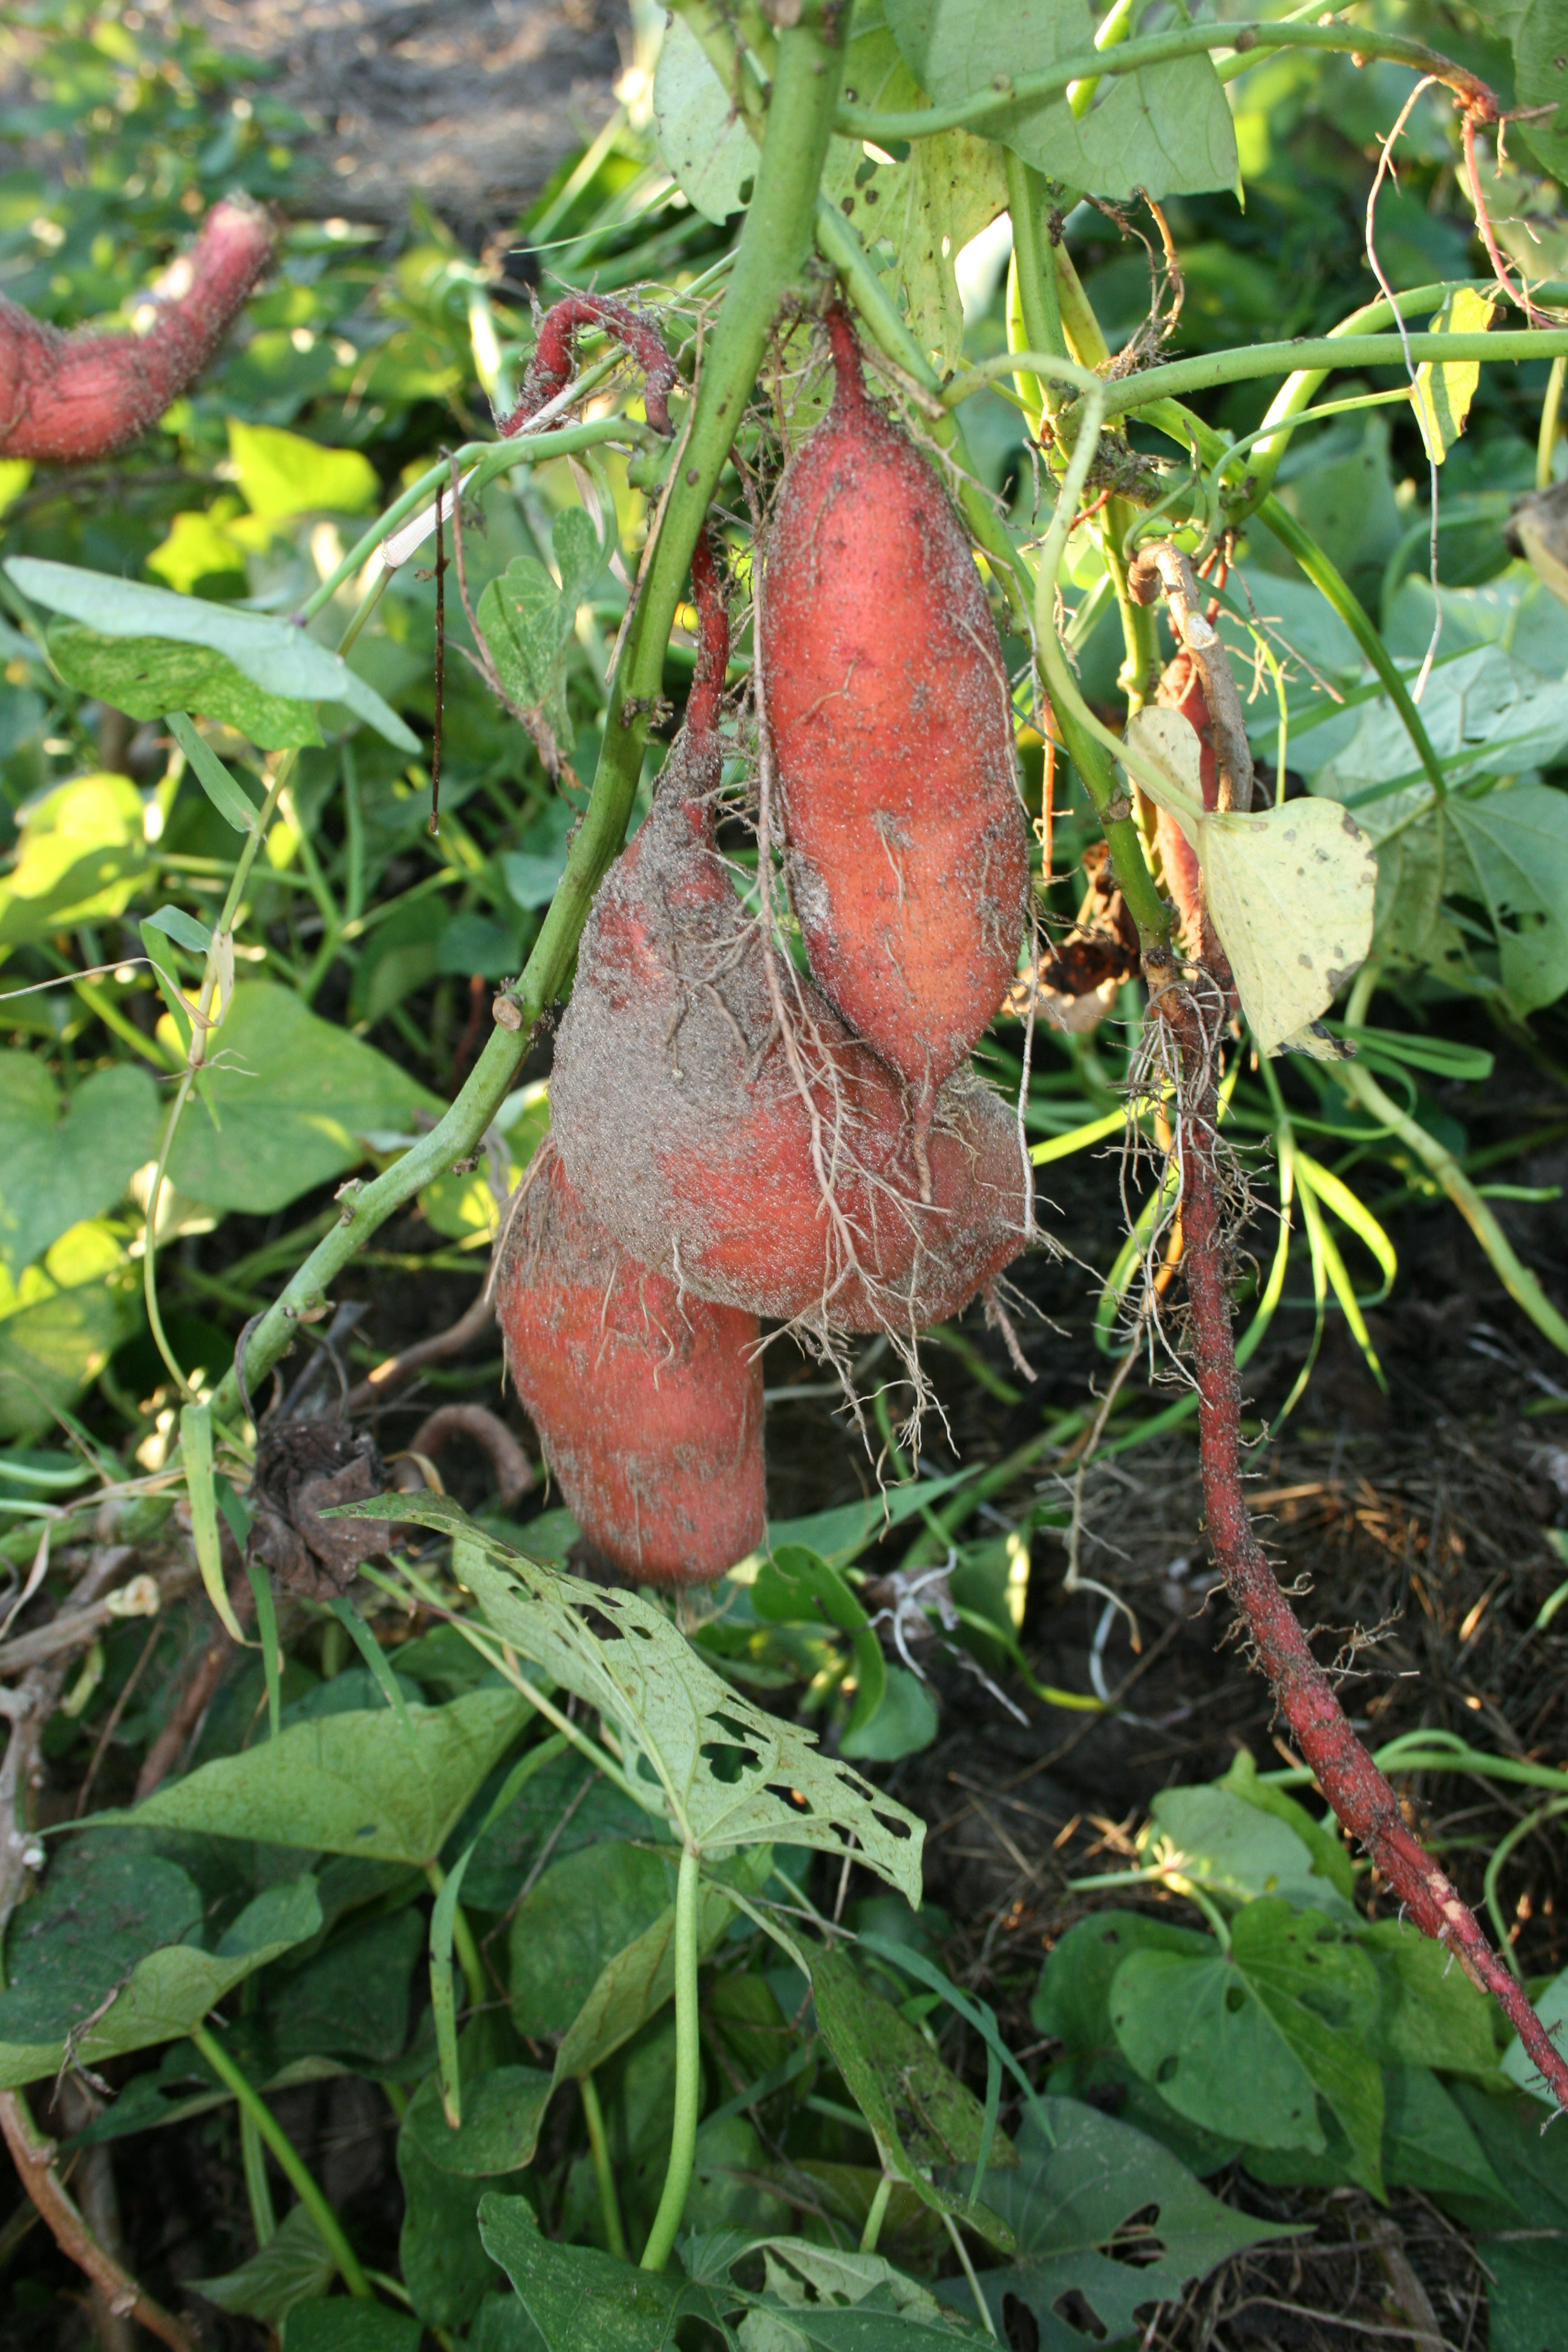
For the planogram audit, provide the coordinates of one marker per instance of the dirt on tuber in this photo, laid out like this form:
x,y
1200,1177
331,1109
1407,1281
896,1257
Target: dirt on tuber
x,y
892,731
68,397
648,1404
724,1121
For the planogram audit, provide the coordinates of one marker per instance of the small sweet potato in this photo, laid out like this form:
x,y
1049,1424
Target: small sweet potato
x,y
648,1404
892,731
66,397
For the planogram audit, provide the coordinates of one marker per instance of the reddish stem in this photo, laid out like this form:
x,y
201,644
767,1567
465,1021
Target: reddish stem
x,y
84,395
1357,1790
550,370
849,376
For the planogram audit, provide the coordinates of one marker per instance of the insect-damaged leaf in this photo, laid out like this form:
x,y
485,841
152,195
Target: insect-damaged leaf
x,y
722,1771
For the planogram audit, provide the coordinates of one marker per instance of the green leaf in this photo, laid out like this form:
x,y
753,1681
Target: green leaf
x,y
1445,388
347,2323
293,2268
283,474
1165,130
1239,1850
356,1783
926,207
636,1982
350,2001
1072,1999
841,1535
105,1961
51,1350
527,619
1552,2009
82,852
577,2297
182,929
923,2118
1517,842
585,1909
147,677
722,1771
297,1098
502,2112
1322,1993
567,1803
1430,2013
703,138
797,1587
824,2299
444,2265
1082,2178
231,803
1528,2284
63,1163
271,654
906,1720
1241,2043
1330,1859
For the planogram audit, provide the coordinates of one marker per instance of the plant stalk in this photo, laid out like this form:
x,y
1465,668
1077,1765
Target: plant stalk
x,y
604,2171
295,2171
774,245
688,2066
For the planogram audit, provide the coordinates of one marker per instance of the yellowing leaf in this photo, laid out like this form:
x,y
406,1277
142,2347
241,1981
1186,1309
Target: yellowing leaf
x,y
1290,892
1445,388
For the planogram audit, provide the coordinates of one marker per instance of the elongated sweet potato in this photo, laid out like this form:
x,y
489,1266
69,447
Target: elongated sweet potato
x,y
779,1173
892,732
648,1405
1181,689
84,395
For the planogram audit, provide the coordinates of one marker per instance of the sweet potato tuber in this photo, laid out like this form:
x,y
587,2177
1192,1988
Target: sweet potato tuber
x,y
84,395
773,1173
648,1405
892,731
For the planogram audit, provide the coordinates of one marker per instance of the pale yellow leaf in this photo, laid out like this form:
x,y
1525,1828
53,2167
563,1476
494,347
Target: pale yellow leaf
x,y
1291,892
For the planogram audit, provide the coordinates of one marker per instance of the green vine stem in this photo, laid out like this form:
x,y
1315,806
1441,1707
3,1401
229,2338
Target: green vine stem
x,y
688,2066
1515,1276
1318,353
1516,1836
1159,48
1551,421
876,2214
774,245
604,2170
295,2171
1034,274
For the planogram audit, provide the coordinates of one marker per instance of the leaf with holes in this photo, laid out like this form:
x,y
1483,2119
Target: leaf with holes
x,y
722,1771
919,2111
1100,2212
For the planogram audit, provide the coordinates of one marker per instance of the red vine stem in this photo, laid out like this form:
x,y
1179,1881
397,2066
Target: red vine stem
x,y
550,370
1359,1795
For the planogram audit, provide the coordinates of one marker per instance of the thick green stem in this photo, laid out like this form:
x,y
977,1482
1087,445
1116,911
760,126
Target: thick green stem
x,y
1034,275
604,2171
688,2067
1005,92
297,2173
1551,415
774,245
1316,354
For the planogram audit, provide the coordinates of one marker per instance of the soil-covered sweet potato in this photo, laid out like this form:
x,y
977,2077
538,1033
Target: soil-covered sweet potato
x,y
771,1171
66,397
648,1404
892,734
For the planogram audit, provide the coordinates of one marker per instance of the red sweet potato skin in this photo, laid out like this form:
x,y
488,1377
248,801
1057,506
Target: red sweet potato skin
x,y
648,1405
65,397
892,733
678,1114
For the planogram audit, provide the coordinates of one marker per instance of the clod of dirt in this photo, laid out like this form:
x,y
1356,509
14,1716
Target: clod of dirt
x,y
303,1468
